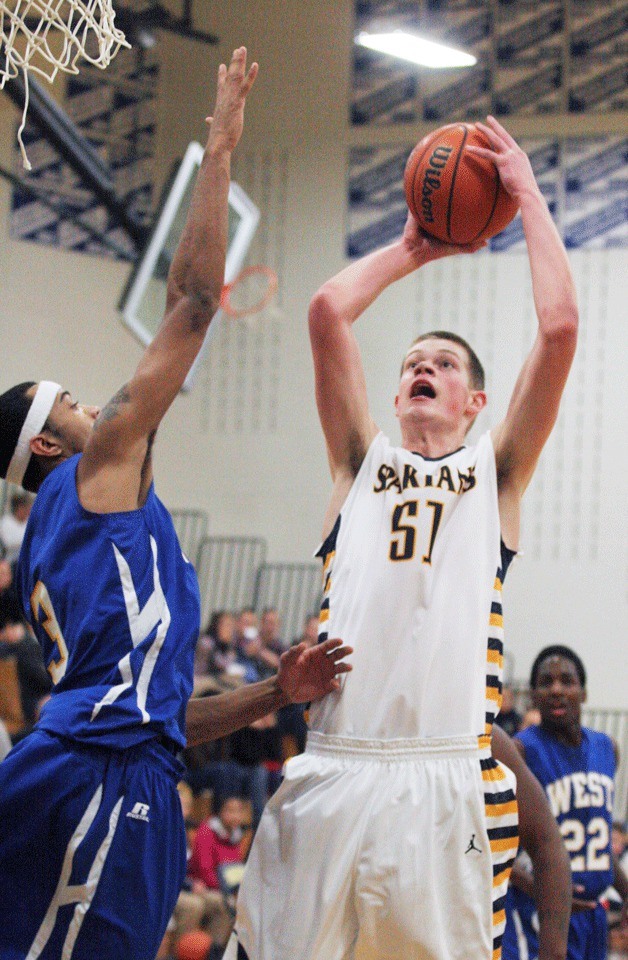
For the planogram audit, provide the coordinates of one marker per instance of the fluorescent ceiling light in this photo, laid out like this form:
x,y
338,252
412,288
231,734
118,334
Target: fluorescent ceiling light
x,y
408,46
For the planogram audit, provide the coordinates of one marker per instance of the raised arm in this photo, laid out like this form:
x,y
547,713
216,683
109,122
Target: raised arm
x,y
534,405
550,884
340,383
113,467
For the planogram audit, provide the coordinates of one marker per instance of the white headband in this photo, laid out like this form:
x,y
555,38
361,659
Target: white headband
x,y
40,408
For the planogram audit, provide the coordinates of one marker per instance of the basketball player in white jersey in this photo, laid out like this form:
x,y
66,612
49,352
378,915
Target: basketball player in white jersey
x,y
393,835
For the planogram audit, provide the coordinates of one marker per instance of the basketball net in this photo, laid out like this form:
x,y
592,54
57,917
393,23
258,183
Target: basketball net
x,y
26,44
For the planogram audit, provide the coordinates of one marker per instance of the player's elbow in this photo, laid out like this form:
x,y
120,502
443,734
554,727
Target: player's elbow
x,y
560,324
325,311
200,299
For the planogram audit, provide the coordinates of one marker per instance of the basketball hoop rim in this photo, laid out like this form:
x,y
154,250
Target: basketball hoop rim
x,y
273,284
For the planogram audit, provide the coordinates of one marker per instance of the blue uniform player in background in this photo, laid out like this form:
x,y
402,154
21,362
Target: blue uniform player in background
x,y
576,767
92,844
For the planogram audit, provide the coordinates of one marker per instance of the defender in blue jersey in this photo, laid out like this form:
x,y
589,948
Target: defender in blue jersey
x,y
576,767
92,845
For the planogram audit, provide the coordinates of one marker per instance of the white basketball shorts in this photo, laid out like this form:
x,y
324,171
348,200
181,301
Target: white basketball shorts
x,y
381,850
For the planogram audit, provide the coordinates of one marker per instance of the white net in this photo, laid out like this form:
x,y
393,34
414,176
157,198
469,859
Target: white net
x,y
45,36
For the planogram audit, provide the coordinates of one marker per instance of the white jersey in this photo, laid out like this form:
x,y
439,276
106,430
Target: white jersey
x,y
412,581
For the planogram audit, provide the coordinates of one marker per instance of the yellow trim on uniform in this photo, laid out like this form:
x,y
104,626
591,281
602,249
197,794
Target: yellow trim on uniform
x,y
492,693
497,954
504,844
501,809
494,656
324,616
502,877
328,560
499,917
496,620
494,773
497,585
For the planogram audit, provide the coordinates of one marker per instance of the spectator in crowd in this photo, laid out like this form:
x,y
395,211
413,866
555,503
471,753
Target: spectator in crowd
x,y
219,841
257,750
10,607
17,642
576,766
246,628
291,718
267,648
217,655
309,635
508,718
13,525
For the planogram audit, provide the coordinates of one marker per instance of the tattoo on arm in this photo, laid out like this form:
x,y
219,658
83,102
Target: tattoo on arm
x,y
111,410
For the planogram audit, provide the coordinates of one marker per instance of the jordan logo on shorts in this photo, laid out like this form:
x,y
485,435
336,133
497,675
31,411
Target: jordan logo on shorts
x,y
472,845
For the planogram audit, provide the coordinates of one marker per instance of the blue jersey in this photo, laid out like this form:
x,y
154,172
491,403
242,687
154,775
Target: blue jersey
x,y
115,606
579,785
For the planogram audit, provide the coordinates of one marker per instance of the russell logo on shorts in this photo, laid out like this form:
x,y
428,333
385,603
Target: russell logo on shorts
x,y
140,812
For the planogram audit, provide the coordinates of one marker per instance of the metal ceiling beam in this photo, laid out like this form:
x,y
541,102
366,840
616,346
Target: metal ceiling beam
x,y
76,150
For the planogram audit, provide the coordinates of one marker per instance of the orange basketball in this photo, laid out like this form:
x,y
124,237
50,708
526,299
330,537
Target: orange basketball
x,y
456,196
193,946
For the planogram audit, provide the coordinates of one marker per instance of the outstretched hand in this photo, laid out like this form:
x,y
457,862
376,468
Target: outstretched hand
x,y
234,84
513,165
308,673
426,248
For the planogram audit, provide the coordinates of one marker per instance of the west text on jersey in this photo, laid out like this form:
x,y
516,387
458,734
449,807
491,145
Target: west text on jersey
x,y
579,790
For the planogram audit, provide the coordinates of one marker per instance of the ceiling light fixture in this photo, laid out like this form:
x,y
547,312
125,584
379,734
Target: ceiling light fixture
x,y
408,46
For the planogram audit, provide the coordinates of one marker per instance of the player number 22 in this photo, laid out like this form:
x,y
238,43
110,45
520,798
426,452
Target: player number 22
x,y
40,600
595,839
403,543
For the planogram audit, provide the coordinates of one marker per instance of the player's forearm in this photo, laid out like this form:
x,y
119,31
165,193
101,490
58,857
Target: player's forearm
x,y
347,295
210,718
198,268
552,280
552,888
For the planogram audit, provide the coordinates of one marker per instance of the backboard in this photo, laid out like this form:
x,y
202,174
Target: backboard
x,y
143,302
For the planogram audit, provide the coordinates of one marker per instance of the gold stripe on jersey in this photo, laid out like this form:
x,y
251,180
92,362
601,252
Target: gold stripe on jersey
x,y
494,654
500,803
502,823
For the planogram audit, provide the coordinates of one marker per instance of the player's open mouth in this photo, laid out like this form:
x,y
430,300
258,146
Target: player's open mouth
x,y
422,389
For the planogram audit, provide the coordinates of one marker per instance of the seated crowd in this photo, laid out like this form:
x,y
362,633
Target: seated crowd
x,y
228,781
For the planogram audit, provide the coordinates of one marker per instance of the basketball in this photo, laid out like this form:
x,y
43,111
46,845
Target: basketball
x,y
455,196
193,946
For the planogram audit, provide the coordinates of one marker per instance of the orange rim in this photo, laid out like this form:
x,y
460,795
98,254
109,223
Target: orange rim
x,y
264,299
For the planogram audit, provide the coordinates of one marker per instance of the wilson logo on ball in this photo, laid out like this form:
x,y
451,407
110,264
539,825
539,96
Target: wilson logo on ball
x,y
431,180
455,195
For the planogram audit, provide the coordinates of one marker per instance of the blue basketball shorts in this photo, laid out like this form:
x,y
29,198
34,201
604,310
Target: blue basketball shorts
x,y
588,931
92,850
